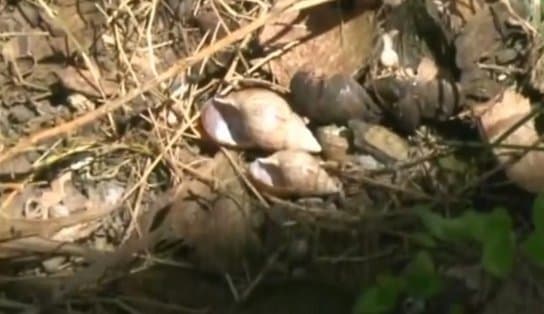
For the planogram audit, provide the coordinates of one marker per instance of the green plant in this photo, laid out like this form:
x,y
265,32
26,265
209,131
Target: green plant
x,y
419,279
533,245
494,236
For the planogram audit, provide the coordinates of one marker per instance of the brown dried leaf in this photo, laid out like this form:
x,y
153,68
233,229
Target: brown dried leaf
x,y
36,47
56,194
463,11
537,74
499,118
76,232
331,41
16,166
20,228
24,21
80,18
81,81
26,246
59,213
218,227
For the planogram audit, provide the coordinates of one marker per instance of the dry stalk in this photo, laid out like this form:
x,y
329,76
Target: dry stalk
x,y
241,174
156,161
135,214
180,66
149,37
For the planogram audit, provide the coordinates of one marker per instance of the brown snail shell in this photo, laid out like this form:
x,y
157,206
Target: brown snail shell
x,y
379,141
334,141
256,117
292,173
332,100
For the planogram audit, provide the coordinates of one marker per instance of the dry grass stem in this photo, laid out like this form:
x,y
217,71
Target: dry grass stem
x,y
182,65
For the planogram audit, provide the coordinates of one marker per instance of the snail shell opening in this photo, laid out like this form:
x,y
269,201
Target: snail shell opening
x,y
267,172
293,173
223,123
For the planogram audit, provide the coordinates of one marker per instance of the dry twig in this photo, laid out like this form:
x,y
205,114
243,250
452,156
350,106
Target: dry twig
x,y
180,66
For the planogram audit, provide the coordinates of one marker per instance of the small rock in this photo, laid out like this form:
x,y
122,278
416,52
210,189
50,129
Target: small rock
x,y
53,264
379,141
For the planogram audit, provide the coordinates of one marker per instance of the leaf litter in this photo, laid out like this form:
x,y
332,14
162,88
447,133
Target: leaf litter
x,y
110,182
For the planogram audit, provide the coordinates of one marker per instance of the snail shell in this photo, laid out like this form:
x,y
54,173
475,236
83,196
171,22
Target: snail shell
x,y
256,117
292,173
332,100
496,118
334,141
223,123
379,141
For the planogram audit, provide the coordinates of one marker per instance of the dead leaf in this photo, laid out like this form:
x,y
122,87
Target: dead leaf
x,y
214,26
537,74
110,265
500,116
221,229
82,81
461,11
16,167
56,194
31,245
36,47
27,45
59,212
71,234
81,18
21,228
332,41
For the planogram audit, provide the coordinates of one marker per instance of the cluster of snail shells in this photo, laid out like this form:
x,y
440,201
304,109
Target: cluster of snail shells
x,y
262,119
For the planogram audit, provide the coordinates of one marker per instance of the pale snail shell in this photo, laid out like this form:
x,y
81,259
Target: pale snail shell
x,y
256,117
294,173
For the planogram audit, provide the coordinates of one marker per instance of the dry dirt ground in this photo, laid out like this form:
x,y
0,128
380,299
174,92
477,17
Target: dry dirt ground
x,y
116,199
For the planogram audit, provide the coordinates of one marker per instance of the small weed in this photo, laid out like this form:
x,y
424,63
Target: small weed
x,y
491,233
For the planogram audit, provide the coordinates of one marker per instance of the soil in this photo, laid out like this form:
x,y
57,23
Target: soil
x,y
115,200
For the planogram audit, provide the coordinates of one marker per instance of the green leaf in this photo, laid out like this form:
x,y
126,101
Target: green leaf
x,y
499,217
475,225
438,226
498,256
421,279
422,263
456,309
538,212
423,239
381,298
533,247
432,222
449,229
498,243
